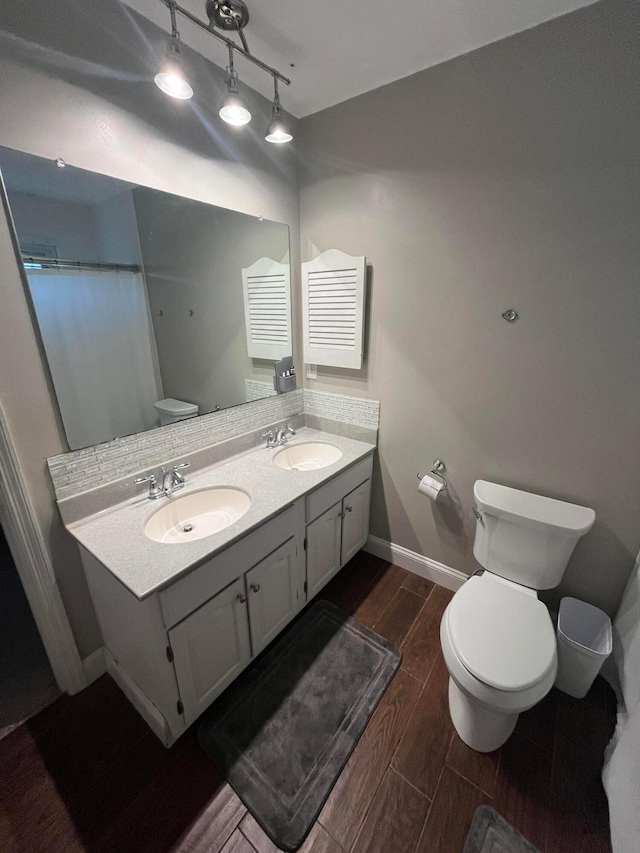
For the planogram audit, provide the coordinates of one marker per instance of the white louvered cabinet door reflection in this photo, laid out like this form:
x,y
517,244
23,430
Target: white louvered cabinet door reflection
x,y
267,309
333,309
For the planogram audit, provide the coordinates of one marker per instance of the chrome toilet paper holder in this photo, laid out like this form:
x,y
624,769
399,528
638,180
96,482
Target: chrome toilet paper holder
x,y
438,468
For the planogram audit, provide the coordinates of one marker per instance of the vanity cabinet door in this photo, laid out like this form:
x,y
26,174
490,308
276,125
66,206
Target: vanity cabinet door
x,y
275,592
323,548
210,648
355,522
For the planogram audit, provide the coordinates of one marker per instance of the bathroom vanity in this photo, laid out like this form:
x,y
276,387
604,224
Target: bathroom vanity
x,y
181,619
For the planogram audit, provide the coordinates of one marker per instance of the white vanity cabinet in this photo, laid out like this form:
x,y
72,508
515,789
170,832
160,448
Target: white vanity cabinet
x,y
210,648
176,650
324,539
336,535
275,593
355,521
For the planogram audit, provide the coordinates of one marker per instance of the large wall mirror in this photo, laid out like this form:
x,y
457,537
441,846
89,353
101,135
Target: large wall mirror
x,y
151,307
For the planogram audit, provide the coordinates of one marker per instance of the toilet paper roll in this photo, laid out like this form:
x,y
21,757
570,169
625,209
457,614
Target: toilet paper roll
x,y
430,487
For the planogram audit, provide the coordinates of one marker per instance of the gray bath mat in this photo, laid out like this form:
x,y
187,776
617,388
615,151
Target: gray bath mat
x,y
283,732
490,833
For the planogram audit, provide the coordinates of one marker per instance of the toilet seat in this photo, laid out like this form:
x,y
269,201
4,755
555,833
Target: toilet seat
x,y
501,634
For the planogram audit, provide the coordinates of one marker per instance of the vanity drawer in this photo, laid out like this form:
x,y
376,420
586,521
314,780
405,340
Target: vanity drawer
x,y
192,591
333,491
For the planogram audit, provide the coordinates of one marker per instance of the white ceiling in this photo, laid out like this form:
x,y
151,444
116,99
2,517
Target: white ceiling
x,y
342,48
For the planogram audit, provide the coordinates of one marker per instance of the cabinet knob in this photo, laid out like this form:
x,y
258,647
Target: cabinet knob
x,y
242,597
255,587
349,508
341,515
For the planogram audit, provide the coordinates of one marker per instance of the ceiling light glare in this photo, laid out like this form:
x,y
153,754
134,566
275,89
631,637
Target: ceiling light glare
x,y
234,110
278,130
171,78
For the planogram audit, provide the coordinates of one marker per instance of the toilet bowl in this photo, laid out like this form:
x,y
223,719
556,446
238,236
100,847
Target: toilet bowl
x,y
499,646
497,638
170,411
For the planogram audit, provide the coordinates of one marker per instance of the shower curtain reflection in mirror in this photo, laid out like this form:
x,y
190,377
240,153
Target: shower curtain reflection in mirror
x,y
97,334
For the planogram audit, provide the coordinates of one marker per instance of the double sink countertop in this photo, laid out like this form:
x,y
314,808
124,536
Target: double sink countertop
x,y
116,537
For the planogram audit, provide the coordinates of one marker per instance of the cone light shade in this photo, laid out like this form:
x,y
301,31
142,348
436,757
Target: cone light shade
x,y
234,111
278,131
171,78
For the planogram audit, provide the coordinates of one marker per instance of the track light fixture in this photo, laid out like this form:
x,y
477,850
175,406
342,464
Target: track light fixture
x,y
277,130
233,110
171,77
228,15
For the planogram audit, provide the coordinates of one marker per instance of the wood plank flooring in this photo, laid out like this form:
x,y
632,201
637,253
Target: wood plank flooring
x,y
86,774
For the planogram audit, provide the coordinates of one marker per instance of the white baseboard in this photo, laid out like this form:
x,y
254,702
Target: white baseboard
x,y
416,563
94,665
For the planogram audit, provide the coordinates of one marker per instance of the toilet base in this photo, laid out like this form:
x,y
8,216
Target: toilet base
x,y
479,728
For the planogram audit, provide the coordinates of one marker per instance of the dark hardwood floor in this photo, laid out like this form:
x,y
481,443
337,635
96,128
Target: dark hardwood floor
x,y
86,774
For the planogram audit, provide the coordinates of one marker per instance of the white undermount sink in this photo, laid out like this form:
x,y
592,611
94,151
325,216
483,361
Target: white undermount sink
x,y
307,456
197,514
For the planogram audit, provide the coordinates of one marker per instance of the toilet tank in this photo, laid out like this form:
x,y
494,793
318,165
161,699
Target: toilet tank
x,y
524,537
170,411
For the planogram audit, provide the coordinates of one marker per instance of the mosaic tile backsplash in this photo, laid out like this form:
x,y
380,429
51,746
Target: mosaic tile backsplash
x,y
350,410
81,470
256,390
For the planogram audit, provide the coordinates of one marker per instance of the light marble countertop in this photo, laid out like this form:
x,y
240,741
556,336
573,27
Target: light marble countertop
x,y
116,536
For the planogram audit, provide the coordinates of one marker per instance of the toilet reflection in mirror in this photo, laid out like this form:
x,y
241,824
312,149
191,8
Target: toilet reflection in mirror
x,y
152,308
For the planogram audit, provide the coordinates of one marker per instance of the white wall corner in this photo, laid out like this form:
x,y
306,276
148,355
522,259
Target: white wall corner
x,y
95,665
413,562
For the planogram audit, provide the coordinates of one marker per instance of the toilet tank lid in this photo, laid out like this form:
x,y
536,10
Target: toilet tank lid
x,y
175,407
534,510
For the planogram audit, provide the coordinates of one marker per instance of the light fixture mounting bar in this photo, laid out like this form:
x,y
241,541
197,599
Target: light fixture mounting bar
x,y
174,24
230,44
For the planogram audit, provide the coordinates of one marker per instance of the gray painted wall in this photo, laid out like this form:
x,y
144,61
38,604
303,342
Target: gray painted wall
x,y
86,95
68,226
118,229
193,257
507,178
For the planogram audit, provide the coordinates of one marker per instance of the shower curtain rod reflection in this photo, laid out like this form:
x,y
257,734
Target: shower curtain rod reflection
x,y
53,263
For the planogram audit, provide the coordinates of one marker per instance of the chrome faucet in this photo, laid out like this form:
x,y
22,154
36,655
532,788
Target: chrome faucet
x,y
168,482
173,480
279,437
283,434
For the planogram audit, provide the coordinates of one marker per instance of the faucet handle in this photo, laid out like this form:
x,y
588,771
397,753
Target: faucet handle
x,y
150,479
155,488
178,479
271,439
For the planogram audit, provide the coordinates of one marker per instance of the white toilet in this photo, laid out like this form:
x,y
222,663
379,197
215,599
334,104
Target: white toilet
x,y
498,640
170,411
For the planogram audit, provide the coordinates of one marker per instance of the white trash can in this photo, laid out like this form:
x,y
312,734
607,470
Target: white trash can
x,y
584,643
